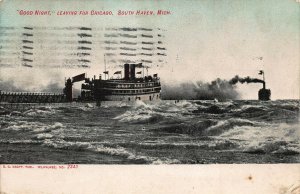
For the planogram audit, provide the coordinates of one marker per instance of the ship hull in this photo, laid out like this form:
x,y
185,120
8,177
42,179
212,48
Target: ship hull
x,y
143,97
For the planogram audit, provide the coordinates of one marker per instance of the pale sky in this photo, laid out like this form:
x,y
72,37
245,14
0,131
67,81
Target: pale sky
x,y
205,39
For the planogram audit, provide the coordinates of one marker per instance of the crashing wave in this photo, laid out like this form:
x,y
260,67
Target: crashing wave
x,y
160,112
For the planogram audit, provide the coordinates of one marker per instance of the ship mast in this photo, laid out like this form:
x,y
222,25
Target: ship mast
x,y
143,71
105,68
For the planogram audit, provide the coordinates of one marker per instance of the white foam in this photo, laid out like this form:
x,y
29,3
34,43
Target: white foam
x,y
40,111
21,126
31,126
44,136
21,141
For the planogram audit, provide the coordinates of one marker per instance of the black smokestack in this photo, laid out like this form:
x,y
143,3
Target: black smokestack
x,y
132,71
126,71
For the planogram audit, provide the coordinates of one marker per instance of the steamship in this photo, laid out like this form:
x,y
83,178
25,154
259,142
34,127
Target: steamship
x,y
128,88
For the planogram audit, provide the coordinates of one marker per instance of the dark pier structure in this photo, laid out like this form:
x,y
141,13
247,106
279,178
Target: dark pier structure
x,y
264,94
31,97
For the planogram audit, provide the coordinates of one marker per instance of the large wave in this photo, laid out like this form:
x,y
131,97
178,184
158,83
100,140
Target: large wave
x,y
111,151
268,138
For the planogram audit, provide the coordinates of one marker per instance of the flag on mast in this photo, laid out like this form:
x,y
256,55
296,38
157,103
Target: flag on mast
x,y
261,72
105,72
139,65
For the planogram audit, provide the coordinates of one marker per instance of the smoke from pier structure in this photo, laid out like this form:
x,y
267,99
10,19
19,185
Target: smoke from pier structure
x,y
247,80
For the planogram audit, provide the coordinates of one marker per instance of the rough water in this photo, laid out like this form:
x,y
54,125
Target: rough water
x,y
186,132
